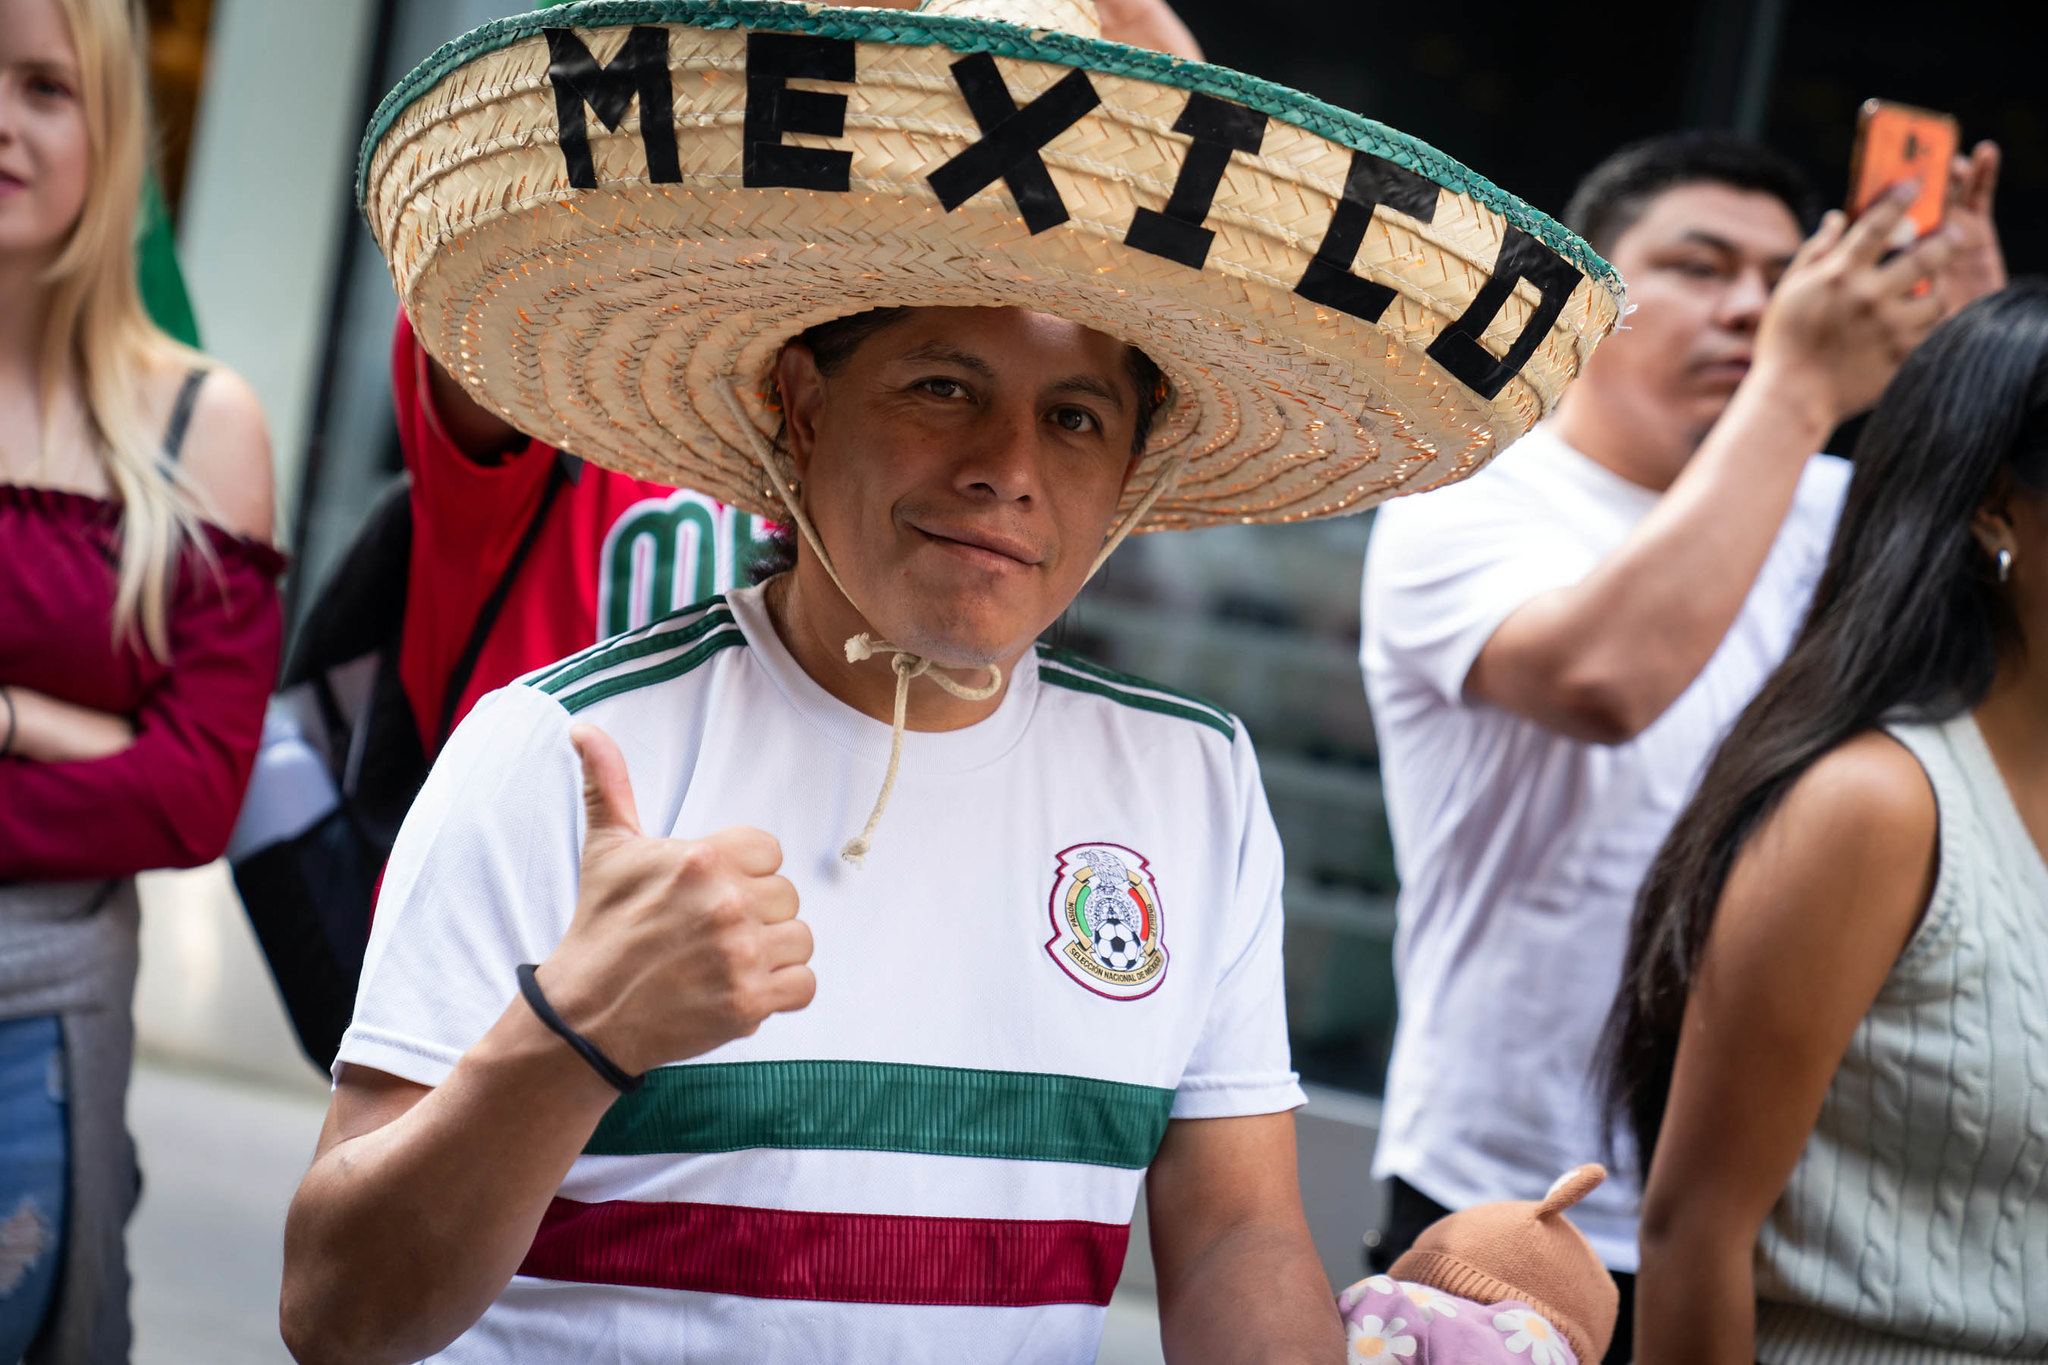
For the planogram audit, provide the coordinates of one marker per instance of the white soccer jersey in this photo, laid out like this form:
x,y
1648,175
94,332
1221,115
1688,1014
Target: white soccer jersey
x,y
1067,934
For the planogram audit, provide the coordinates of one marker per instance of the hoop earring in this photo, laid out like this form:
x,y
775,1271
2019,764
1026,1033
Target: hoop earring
x,y
2004,564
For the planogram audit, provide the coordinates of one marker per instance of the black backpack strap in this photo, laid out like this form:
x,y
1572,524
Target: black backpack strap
x,y
181,412
565,469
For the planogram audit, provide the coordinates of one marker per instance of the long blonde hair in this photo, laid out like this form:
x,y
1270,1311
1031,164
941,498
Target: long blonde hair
x,y
98,330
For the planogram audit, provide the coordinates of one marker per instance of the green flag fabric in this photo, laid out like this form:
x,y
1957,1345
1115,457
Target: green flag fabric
x,y
156,269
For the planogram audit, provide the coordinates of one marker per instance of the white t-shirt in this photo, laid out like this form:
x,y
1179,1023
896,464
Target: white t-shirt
x,y
1520,851
1068,932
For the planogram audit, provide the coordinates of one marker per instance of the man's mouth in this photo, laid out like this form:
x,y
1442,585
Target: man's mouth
x,y
1728,369
981,544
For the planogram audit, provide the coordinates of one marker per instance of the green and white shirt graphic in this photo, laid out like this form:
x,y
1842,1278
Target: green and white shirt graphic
x,y
665,553
1067,935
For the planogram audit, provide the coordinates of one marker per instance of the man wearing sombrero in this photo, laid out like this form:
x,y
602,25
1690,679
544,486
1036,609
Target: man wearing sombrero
x,y
965,297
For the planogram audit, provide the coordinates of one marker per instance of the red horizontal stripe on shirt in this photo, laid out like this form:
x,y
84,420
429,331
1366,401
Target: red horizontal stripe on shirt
x,y
842,1257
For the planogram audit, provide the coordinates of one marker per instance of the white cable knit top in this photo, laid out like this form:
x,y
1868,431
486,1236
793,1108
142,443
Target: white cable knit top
x,y
1915,1226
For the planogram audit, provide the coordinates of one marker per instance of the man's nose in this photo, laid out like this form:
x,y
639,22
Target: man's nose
x,y
1000,456
1742,307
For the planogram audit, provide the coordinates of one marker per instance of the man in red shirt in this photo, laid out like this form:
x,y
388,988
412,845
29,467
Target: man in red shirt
x,y
612,552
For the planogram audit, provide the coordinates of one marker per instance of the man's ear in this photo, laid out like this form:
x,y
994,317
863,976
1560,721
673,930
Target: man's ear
x,y
803,395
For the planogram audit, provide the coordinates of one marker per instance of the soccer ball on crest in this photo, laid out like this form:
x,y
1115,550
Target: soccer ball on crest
x,y
1118,947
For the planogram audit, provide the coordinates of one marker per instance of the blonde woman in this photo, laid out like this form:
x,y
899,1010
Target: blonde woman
x,y
138,639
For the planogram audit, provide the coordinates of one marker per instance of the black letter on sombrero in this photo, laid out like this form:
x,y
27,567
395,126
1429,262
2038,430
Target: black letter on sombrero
x,y
1371,181
773,60
1218,128
641,69
1521,257
1011,138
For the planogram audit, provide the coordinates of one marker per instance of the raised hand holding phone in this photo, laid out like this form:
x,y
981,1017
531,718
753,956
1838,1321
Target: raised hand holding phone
x,y
677,945
1850,309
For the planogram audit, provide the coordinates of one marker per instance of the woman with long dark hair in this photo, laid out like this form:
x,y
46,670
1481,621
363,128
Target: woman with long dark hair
x,y
1831,1042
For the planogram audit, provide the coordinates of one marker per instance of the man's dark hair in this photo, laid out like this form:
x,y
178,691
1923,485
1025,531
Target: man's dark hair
x,y
1614,194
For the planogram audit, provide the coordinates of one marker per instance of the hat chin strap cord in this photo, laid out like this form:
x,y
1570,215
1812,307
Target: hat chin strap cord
x,y
906,663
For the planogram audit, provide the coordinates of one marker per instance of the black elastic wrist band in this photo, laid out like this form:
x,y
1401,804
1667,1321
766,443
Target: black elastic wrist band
x,y
619,1080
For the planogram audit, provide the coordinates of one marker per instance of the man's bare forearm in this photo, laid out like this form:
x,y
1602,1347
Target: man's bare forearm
x,y
1602,659
400,1237
1256,1294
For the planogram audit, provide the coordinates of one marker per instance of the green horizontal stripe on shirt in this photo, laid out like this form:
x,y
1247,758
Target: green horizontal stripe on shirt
x,y
1079,682
887,1107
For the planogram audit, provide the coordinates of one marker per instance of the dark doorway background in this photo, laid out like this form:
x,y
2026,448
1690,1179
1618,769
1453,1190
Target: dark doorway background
x,y
1532,95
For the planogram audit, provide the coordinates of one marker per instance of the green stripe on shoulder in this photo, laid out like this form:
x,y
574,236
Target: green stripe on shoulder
x,y
1063,668
725,636
544,676
625,649
886,1107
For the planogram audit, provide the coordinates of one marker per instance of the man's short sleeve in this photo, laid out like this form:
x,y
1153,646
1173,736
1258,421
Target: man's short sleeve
x,y
1445,569
1241,1064
483,877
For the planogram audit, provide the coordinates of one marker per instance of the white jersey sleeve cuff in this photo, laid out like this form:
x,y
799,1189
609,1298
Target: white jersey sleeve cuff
x,y
1231,1097
409,1059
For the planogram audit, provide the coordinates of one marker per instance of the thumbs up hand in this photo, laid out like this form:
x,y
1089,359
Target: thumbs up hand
x,y
677,945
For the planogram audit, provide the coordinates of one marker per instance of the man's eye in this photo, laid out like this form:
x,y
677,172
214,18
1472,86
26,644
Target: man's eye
x,y
1075,419
1697,270
943,388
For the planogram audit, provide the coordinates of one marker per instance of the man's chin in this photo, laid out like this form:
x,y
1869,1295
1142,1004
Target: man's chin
x,y
965,634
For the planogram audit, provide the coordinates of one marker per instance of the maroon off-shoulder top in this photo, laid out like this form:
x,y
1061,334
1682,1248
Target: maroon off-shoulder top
x,y
170,799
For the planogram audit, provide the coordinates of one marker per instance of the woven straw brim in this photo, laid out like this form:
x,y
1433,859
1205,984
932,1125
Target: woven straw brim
x,y
602,319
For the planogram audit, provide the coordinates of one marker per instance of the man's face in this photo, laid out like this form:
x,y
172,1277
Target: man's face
x,y
1700,264
963,467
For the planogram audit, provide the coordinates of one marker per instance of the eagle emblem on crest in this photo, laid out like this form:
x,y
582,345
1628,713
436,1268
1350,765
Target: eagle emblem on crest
x,y
1109,932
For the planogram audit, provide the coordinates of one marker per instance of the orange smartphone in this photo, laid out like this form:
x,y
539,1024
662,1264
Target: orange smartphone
x,y
1897,142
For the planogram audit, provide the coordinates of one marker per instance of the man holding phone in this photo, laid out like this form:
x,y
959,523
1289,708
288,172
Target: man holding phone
x,y
1553,648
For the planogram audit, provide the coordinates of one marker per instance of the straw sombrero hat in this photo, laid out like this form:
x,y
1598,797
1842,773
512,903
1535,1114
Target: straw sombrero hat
x,y
606,219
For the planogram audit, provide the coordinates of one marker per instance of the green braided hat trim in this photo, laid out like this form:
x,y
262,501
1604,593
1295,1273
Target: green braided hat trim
x,y
966,34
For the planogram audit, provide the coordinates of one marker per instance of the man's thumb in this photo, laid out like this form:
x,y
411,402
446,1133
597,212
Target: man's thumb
x,y
607,787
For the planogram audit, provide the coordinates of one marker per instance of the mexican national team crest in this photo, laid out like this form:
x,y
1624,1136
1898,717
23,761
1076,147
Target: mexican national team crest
x,y
1108,933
